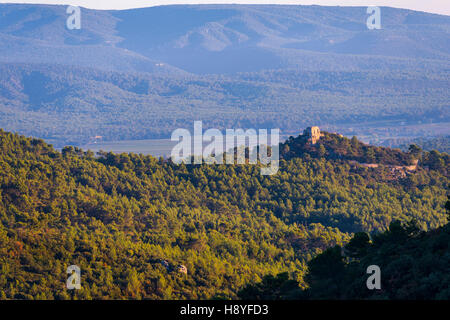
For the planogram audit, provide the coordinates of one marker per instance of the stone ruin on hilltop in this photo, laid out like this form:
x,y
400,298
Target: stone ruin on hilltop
x,y
313,134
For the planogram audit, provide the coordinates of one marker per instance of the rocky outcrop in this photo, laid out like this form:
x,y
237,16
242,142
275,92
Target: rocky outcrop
x,y
396,172
182,269
170,268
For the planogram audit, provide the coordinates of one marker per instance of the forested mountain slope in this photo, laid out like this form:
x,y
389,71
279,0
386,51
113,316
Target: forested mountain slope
x,y
224,38
118,216
71,105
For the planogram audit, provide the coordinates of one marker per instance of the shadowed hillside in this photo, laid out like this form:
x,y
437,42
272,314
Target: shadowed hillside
x,y
414,265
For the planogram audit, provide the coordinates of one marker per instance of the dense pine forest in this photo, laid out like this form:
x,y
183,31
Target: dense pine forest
x,y
36,98
414,265
130,221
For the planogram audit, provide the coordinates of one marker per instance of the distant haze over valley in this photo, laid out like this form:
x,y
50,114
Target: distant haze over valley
x,y
140,74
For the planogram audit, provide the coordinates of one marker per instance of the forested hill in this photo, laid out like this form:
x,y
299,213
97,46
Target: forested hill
x,y
119,216
333,146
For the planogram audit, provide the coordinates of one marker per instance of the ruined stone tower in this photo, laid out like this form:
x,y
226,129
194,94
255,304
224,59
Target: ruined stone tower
x,y
313,134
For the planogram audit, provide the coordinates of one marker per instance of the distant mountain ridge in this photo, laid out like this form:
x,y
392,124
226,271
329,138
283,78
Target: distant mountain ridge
x,y
221,38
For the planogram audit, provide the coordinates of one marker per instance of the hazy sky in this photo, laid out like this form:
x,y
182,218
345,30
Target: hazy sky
x,y
435,6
